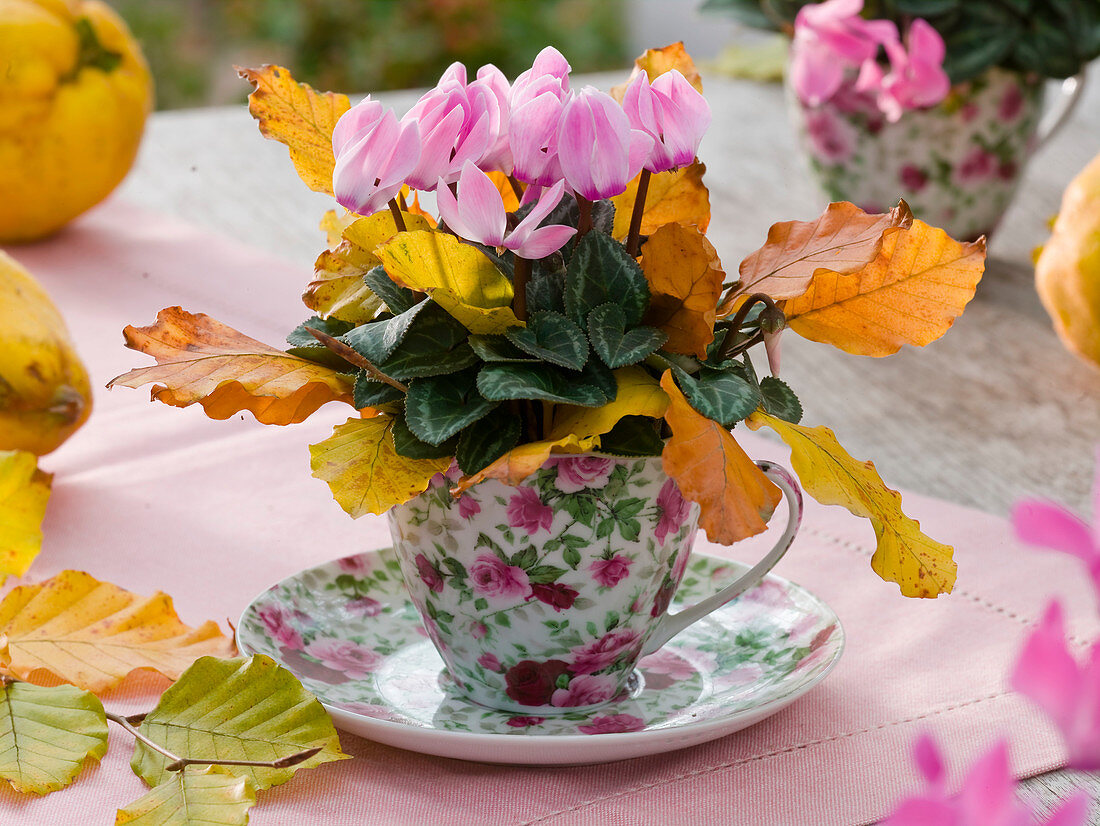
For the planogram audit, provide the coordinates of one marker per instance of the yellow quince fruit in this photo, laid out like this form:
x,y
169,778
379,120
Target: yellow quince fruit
x,y
1067,273
74,94
44,390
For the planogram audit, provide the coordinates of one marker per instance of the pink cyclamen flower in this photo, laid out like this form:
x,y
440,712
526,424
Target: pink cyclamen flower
x,y
613,724
491,577
610,572
529,513
1051,526
585,690
671,112
457,122
1069,693
598,150
598,655
829,39
537,99
478,214
916,78
354,660
374,154
987,797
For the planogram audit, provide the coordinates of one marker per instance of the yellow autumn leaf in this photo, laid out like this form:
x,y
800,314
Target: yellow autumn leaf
x,y
459,278
674,196
333,223
206,795
520,462
338,290
655,62
636,394
685,282
24,492
202,360
365,472
843,239
504,187
735,498
919,564
910,294
296,115
92,634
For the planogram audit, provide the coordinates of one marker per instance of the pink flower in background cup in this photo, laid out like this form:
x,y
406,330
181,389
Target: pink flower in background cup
x,y
495,579
527,511
277,622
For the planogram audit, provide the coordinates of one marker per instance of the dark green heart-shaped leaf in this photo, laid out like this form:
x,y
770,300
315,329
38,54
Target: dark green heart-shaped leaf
x,y
377,340
551,337
437,408
497,348
408,445
779,400
435,344
633,436
979,44
371,393
600,376
486,440
303,345
600,271
545,382
1046,49
398,299
726,397
545,292
611,341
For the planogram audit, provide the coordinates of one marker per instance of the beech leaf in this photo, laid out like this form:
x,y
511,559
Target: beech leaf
x,y
364,470
675,196
195,796
551,337
458,277
843,239
921,566
92,634
637,394
735,498
520,462
910,294
296,115
685,279
24,492
202,360
47,733
237,709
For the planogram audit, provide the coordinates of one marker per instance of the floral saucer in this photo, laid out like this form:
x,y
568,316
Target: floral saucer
x,y
349,632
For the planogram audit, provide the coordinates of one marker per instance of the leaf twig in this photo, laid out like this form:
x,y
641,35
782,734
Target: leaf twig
x,y
348,354
730,345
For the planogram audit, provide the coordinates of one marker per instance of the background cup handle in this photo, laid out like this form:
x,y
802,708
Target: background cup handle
x,y
1069,94
673,624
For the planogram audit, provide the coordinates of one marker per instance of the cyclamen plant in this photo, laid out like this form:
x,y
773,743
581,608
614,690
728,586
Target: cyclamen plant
x,y
565,299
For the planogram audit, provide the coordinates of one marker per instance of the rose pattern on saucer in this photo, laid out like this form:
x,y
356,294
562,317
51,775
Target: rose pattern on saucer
x,y
768,644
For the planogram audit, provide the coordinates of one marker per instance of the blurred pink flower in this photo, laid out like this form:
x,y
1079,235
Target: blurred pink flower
x,y
987,797
1069,693
916,78
613,724
976,165
832,139
489,661
528,512
491,577
1012,104
598,150
357,661
356,564
374,155
585,690
671,112
913,178
595,656
478,215
278,622
364,606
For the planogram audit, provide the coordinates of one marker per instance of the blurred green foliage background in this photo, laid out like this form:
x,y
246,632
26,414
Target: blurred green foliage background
x,y
360,45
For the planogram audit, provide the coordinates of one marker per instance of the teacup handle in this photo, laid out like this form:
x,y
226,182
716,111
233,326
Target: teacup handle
x,y
1069,94
673,624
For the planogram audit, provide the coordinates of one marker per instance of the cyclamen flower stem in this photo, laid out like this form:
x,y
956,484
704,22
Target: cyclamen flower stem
x,y
398,218
521,275
349,355
401,202
636,215
584,207
516,186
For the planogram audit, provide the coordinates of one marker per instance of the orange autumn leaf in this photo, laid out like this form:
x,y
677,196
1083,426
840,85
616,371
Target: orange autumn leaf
x,y
735,498
843,239
202,360
504,187
93,634
655,62
296,115
910,294
520,462
674,196
685,281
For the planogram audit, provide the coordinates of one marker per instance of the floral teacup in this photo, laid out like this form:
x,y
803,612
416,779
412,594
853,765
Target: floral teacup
x,y
542,597
957,163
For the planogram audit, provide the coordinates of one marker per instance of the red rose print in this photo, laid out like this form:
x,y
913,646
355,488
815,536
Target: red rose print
x,y
555,595
531,683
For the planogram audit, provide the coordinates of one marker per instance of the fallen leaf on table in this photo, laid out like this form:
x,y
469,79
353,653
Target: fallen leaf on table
x,y
911,293
921,566
197,795
365,472
296,115
843,239
47,733
685,281
92,634
238,709
677,195
24,492
199,359
735,498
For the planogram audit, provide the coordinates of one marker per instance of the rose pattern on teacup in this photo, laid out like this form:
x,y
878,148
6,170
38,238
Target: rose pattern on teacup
x,y
543,598
956,164
761,647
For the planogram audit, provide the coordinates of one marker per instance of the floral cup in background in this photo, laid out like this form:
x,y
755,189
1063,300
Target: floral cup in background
x,y
542,597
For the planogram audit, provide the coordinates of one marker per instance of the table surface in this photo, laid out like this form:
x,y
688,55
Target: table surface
x,y
995,410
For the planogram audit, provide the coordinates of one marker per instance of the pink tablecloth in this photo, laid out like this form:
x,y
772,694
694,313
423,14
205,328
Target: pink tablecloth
x,y
152,497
